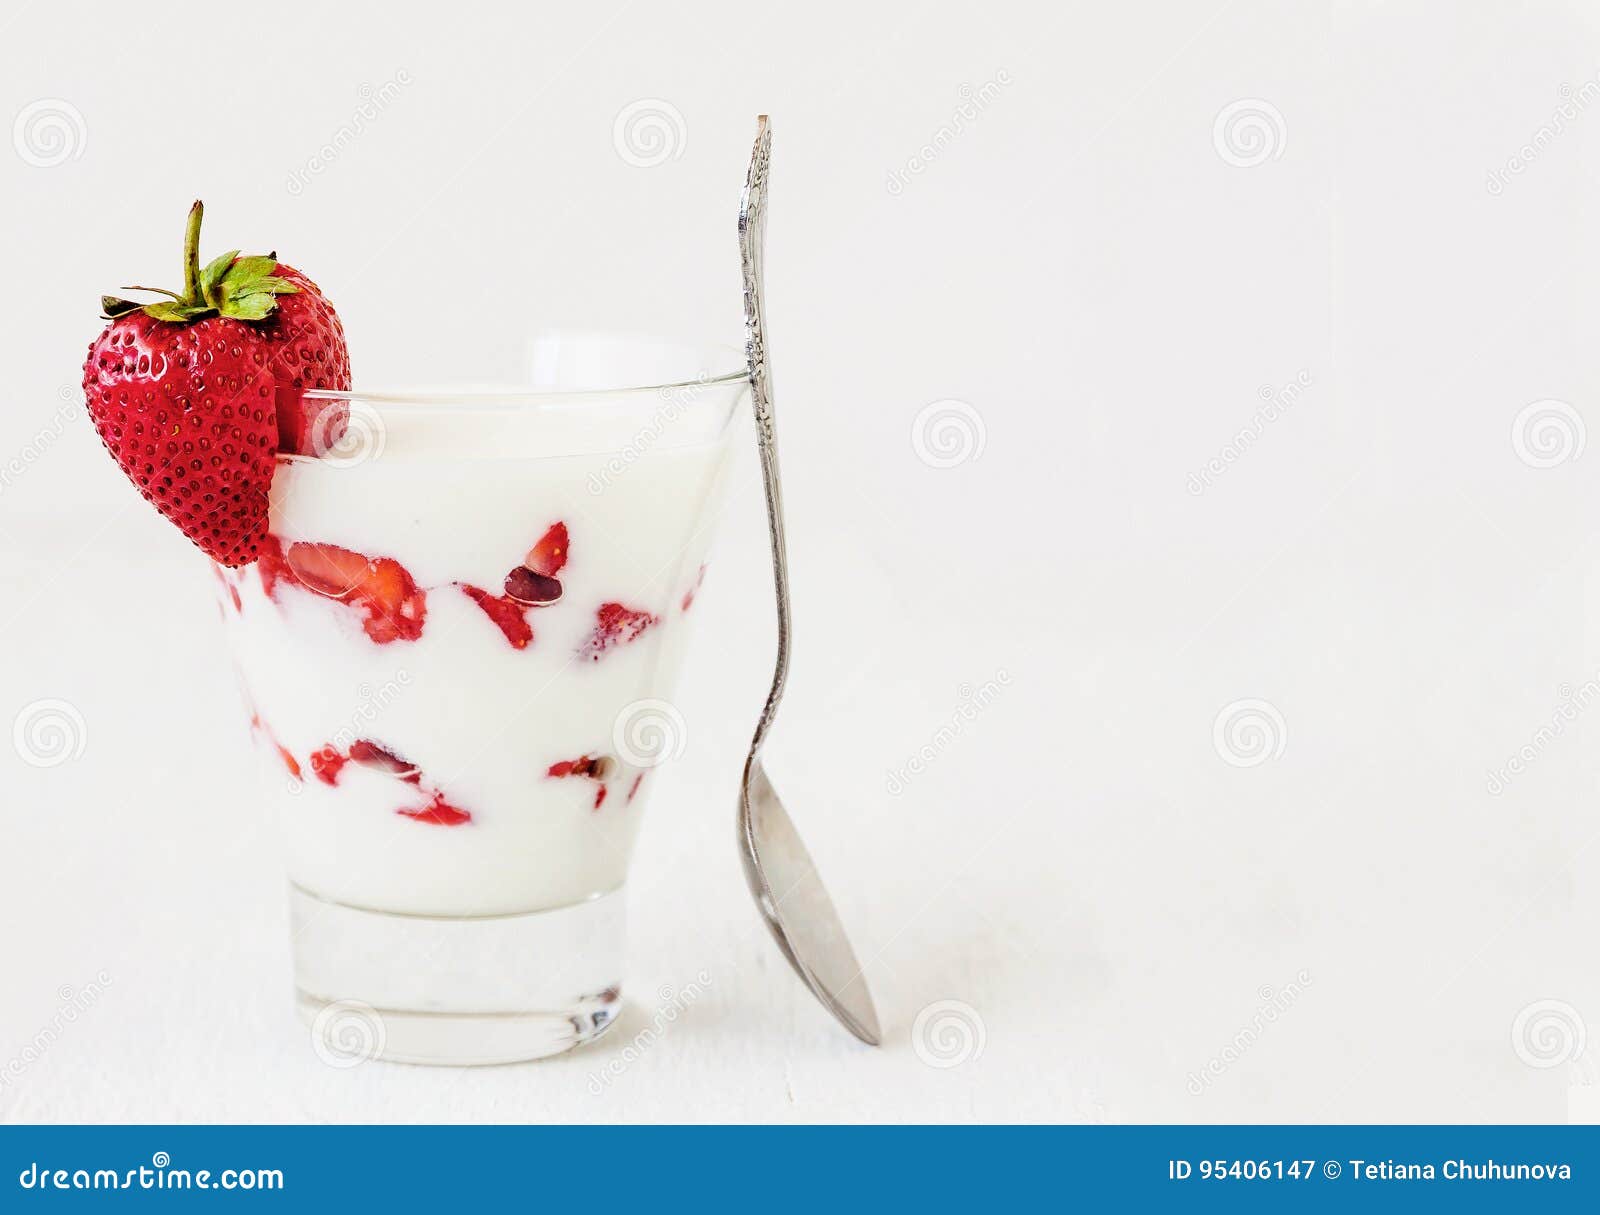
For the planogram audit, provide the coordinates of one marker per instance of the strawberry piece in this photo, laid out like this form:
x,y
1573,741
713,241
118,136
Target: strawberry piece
x,y
535,590
257,726
507,615
227,584
370,755
271,566
327,763
439,812
326,568
688,595
595,768
184,392
392,605
614,625
549,555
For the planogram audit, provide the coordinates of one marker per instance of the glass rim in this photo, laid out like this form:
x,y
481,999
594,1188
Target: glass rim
x,y
513,398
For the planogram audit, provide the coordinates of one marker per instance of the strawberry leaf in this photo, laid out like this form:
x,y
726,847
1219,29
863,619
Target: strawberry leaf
x,y
216,269
178,313
243,288
251,267
252,306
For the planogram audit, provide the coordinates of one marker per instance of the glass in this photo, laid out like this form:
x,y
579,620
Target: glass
x,y
457,654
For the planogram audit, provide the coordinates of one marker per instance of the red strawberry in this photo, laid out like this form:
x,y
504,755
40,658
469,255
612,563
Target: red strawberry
x,y
439,812
597,769
185,392
308,351
614,624
392,605
549,555
370,755
327,763
507,614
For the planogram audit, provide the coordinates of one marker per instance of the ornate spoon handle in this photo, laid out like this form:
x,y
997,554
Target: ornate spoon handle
x,y
752,245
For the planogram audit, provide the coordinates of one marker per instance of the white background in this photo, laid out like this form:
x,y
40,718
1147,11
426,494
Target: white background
x,y
1112,282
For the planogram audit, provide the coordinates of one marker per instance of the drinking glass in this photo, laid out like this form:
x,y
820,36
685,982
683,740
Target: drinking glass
x,y
457,653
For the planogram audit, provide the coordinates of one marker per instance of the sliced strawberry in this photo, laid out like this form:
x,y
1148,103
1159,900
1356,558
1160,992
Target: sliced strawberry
x,y
370,755
220,571
571,767
393,607
615,625
438,812
596,768
535,590
257,726
327,569
327,763
549,555
508,615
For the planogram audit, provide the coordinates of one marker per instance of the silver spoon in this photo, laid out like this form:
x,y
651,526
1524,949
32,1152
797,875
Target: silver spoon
x,y
780,871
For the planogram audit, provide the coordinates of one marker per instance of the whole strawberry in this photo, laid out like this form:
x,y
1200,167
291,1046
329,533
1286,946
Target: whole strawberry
x,y
191,394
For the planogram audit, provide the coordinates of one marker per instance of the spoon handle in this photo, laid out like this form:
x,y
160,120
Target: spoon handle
x,y
752,244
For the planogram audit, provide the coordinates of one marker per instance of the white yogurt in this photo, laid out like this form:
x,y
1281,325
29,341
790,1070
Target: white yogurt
x,y
458,493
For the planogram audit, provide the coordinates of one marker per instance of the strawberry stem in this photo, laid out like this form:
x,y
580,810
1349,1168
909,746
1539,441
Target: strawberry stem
x,y
238,288
191,253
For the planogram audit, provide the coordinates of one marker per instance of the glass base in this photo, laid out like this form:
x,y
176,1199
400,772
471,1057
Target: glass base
x,y
454,990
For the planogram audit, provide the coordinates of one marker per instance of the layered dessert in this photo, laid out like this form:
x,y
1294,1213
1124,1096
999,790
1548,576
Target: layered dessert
x,y
447,654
